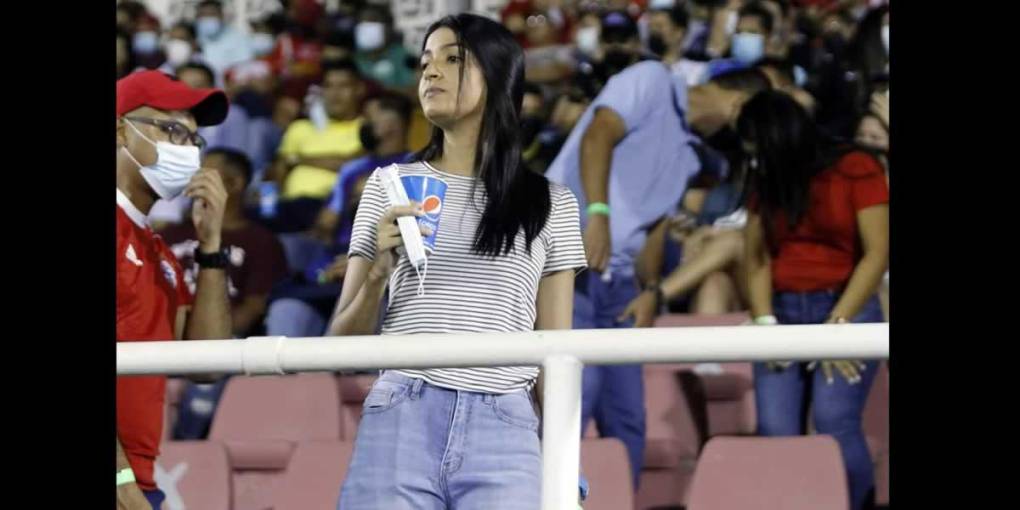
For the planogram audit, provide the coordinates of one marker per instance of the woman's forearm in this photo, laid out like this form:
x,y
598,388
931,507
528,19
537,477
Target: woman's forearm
x,y
863,284
757,263
759,282
361,316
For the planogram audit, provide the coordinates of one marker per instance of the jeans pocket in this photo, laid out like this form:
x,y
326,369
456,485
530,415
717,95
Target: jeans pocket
x,y
384,396
516,409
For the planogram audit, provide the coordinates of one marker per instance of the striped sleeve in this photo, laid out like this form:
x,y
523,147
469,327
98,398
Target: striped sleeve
x,y
565,246
371,208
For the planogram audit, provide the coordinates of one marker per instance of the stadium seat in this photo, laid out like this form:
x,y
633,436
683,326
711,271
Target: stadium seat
x,y
260,419
781,473
673,437
687,404
727,387
605,465
194,475
314,476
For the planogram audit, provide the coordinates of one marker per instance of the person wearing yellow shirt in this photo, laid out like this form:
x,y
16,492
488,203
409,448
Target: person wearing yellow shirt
x,y
314,149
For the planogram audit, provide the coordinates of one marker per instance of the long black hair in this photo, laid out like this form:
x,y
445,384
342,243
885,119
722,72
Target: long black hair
x,y
788,152
517,198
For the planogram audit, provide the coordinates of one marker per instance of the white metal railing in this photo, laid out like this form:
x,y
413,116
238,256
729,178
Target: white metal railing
x,y
561,353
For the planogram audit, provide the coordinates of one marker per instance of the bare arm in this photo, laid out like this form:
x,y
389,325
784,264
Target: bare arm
x,y
759,272
555,302
357,310
555,309
718,253
210,313
604,132
873,224
129,495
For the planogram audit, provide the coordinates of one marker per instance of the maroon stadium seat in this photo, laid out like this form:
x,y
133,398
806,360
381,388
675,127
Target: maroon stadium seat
x,y
194,475
781,473
260,419
605,464
314,476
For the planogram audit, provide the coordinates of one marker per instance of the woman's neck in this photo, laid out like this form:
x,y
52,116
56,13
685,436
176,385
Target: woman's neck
x,y
459,145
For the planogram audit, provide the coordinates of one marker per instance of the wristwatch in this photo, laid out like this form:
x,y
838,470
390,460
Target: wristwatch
x,y
216,260
655,288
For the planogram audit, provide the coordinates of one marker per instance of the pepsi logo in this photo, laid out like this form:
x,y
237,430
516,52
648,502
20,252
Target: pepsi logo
x,y
432,205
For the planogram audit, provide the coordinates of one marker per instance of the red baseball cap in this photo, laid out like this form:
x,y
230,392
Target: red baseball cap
x,y
163,92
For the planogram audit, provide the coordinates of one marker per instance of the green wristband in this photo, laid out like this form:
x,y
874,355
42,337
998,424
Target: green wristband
x,y
124,476
598,208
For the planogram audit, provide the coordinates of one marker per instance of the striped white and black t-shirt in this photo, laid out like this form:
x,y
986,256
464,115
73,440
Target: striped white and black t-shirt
x,y
466,292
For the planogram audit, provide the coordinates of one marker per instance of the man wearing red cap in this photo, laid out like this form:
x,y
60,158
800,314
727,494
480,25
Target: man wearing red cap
x,y
158,157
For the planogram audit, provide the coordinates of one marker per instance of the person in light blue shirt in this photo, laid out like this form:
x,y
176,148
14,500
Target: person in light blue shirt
x,y
222,45
628,161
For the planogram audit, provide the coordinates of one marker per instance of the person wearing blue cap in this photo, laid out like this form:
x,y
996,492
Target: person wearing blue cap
x,y
748,43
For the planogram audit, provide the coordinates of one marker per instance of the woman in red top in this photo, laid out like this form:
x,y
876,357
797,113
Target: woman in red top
x,y
817,241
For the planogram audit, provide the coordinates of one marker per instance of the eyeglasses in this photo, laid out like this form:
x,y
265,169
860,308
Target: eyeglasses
x,y
178,133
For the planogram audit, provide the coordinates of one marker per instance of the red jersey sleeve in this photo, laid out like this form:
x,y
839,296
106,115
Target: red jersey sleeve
x,y
868,186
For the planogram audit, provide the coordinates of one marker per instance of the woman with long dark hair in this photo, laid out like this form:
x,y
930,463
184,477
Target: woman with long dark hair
x,y
817,244
507,247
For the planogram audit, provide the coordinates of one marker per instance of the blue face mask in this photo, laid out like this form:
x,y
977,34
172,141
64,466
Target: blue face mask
x,y
208,27
262,43
145,43
747,48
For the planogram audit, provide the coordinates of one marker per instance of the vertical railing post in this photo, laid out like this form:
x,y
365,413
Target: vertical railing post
x,y
561,432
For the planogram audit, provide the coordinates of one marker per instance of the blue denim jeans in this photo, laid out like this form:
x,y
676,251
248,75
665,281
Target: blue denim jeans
x,y
155,498
422,447
612,394
197,408
836,408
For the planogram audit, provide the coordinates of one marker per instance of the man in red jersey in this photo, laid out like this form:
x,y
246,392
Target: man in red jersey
x,y
158,157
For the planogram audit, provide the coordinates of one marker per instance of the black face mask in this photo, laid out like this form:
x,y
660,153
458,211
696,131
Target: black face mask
x,y
616,61
368,139
657,45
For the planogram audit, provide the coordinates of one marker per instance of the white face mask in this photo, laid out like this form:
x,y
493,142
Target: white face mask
x,y
885,38
369,35
174,167
588,40
178,52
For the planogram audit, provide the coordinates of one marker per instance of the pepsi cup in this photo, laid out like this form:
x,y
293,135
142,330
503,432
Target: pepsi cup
x,y
429,192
